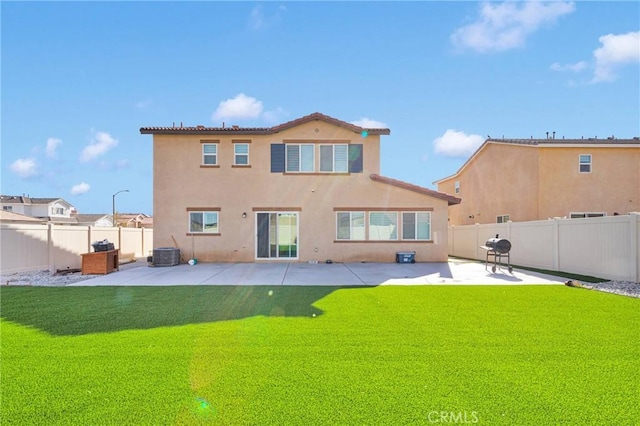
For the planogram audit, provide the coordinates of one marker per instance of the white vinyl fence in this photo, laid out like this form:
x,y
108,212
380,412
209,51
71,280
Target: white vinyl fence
x,y
605,247
25,247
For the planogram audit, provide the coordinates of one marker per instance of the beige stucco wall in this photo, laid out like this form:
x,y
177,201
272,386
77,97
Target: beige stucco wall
x,y
613,186
501,179
180,183
531,182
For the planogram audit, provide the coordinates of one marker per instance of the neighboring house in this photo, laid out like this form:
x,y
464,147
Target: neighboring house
x,y
134,220
10,217
94,219
305,190
533,179
54,210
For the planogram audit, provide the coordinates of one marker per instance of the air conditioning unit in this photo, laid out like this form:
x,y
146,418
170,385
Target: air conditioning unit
x,y
166,256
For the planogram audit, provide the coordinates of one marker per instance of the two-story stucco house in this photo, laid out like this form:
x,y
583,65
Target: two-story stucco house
x,y
537,179
306,190
54,210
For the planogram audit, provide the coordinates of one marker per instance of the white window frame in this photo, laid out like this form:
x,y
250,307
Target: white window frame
x,y
582,215
581,163
241,154
209,154
351,227
7,208
203,213
503,218
416,224
372,228
456,187
333,147
300,157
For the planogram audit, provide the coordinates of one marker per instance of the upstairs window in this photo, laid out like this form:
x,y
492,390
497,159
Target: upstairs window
x,y
334,158
587,214
300,158
210,154
241,154
7,208
456,186
585,163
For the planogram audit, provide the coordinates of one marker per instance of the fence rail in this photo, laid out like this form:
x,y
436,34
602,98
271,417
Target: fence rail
x,y
25,247
604,247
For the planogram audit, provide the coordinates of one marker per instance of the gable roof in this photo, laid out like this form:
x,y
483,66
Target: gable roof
x,y
551,143
415,188
6,216
236,130
91,218
22,199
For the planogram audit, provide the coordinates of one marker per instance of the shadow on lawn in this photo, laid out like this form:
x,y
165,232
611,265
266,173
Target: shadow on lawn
x,y
83,310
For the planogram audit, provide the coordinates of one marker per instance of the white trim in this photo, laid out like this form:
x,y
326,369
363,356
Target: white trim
x,y
503,216
235,154
580,163
415,213
209,153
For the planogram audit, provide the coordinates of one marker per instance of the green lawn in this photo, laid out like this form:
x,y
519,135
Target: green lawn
x,y
525,355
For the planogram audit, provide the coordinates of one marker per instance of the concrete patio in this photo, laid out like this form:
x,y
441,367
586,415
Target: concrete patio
x,y
454,272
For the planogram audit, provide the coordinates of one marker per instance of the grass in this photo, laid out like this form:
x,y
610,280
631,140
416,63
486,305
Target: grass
x,y
318,355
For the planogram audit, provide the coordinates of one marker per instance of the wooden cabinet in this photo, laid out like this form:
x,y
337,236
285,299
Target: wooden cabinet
x,y
100,262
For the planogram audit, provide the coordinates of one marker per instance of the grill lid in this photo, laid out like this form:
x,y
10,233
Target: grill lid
x,y
499,245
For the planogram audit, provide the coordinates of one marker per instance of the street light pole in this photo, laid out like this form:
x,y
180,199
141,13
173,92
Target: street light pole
x,y
113,206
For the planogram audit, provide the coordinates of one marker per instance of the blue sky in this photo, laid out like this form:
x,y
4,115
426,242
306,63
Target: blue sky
x,y
80,78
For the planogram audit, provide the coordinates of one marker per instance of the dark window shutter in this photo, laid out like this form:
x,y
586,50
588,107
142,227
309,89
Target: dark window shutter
x,y
355,158
277,158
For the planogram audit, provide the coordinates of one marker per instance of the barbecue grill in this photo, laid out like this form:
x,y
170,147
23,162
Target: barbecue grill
x,y
497,248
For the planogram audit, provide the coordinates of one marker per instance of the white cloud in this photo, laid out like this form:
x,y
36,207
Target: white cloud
x,y
52,146
367,123
506,25
24,167
81,188
616,50
577,67
241,107
457,144
258,20
100,144
275,116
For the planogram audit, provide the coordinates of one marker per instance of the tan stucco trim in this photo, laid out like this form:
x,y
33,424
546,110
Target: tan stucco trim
x,y
240,140
210,166
241,166
203,234
317,141
277,209
209,140
204,209
386,241
383,209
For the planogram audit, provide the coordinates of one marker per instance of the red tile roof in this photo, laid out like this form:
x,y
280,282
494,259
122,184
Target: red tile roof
x,y
415,188
236,130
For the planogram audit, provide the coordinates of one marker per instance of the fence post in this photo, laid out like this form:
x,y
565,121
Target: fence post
x,y
634,256
556,244
50,252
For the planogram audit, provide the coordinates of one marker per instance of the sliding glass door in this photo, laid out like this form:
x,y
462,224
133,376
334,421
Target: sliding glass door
x,y
277,235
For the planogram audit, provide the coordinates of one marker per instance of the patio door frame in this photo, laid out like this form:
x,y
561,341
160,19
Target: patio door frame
x,y
261,233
